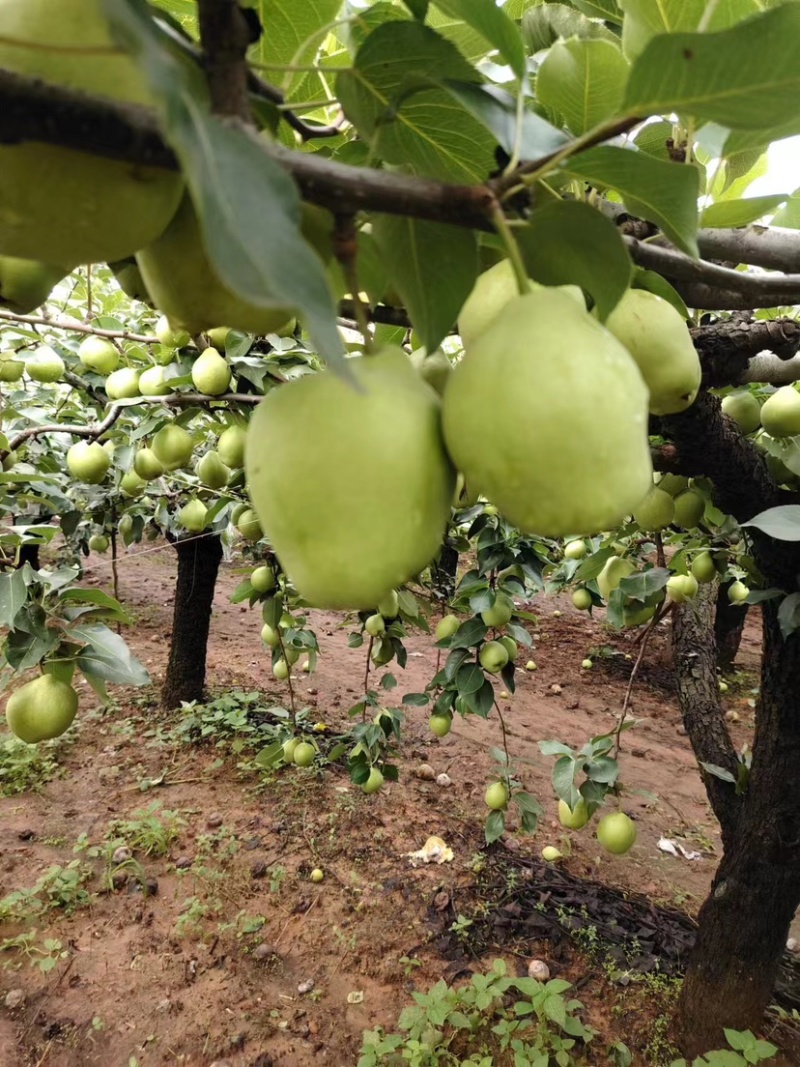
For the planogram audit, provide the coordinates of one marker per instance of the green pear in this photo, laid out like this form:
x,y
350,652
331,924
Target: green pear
x,y
131,484
465,496
45,365
129,279
58,204
616,833
88,462
614,570
500,612
98,354
170,336
363,505
780,413
263,579
435,368
673,483
174,446
122,384
218,337
682,587
575,549
248,525
656,511
703,567
738,592
493,290
493,657
11,369
153,383
547,413
446,627
41,709
634,613
389,606
147,465
210,373
573,818
231,446
582,599
25,284
689,509
184,285
744,409
193,515
98,543
212,471
659,340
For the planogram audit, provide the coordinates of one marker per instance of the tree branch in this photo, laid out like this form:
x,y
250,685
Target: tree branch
x,y
726,348
94,431
77,327
225,37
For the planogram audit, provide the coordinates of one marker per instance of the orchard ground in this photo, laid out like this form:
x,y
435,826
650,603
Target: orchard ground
x,y
175,977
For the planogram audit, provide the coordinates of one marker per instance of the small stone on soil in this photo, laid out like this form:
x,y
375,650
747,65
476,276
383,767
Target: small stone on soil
x,y
444,780
264,952
539,970
26,835
426,772
183,863
15,998
305,987
213,822
121,854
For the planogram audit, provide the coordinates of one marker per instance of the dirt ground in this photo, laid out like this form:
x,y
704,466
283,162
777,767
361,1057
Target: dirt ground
x,y
184,975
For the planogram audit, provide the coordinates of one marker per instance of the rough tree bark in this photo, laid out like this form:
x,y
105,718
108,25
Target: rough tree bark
x,y
198,564
743,924
444,572
729,620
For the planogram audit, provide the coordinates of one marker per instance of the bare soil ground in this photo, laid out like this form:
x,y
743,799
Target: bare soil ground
x,y
182,975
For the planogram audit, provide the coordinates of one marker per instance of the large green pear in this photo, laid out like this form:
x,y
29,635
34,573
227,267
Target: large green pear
x,y
146,465
173,445
210,373
41,709
45,365
656,511
690,507
184,285
744,409
192,515
88,462
231,445
780,414
98,354
57,204
659,340
490,294
122,384
212,471
547,413
614,570
152,382
11,369
351,482
25,284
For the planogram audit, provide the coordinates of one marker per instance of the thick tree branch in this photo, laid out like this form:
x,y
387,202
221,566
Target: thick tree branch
x,y
695,658
769,368
225,37
727,347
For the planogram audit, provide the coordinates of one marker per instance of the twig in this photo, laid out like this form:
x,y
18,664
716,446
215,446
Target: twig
x,y
71,326
345,247
96,430
662,612
658,540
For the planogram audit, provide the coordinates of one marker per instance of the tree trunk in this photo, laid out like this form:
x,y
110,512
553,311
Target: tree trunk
x,y
29,553
198,563
728,628
444,572
743,925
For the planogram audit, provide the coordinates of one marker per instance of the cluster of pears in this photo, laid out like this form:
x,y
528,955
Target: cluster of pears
x,y
616,832
42,709
773,422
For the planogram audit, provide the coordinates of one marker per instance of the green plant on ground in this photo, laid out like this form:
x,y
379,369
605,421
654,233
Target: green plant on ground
x,y
745,1048
25,767
194,912
59,887
44,955
150,830
235,720
494,1020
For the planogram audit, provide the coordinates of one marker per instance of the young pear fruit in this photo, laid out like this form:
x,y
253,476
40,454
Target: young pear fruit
x,y
496,796
547,412
146,465
210,373
374,782
500,612
88,462
57,204
435,368
440,725
230,446
656,511
573,818
690,507
153,383
659,340
218,337
122,383
616,833
248,525
493,657
212,471
171,336
703,567
744,409
131,484
582,599
98,354
184,285
575,549
446,627
44,365
11,369
375,625
362,507
192,516
389,606
614,570
41,709
174,446
25,284
634,613
510,645
270,636
98,543
493,290
780,413
262,579
738,592
682,587
674,484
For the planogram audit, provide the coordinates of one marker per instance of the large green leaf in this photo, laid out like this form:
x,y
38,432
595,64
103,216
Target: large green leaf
x,y
13,594
106,656
646,18
391,97
663,193
782,523
583,81
433,266
493,24
735,77
248,205
569,242
740,212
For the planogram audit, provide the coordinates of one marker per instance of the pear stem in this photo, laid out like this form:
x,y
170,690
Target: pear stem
x,y
345,247
500,223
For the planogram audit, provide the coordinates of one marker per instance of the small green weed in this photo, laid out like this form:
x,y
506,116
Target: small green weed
x,y
236,720
23,767
59,887
149,830
44,955
746,1049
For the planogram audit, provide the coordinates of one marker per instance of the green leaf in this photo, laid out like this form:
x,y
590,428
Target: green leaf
x,y
248,206
292,36
564,770
722,773
789,614
722,77
544,24
600,9
416,700
496,109
98,598
654,283
414,251
782,523
24,650
494,25
418,8
645,19
13,594
469,679
471,633
663,193
99,689
392,98
482,701
740,212
495,826
570,242
106,656
583,81
789,215
269,756
642,585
